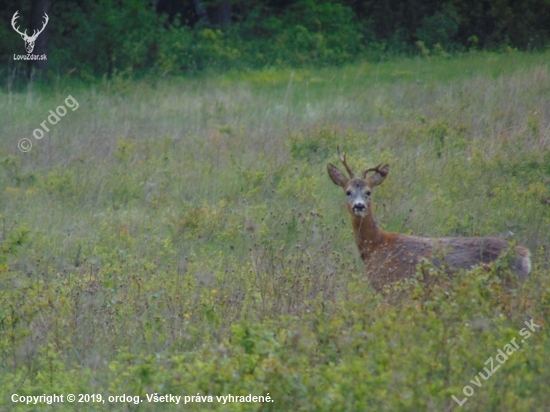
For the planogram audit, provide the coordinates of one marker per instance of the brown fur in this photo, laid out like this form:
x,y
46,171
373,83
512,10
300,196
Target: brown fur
x,y
389,257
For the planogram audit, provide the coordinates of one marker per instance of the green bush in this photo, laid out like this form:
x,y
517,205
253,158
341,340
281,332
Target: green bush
x,y
129,38
106,37
441,28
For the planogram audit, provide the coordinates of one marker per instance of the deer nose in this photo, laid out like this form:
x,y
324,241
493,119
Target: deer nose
x,y
359,207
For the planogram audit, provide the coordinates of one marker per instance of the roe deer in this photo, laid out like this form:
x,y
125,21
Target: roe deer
x,y
389,257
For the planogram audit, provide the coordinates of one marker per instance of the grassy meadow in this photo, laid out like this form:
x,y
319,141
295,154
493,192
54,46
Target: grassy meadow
x,y
181,236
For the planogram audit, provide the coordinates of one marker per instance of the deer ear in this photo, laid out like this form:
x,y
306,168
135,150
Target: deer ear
x,y
336,175
379,176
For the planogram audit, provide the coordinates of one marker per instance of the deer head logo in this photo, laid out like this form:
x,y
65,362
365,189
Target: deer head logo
x,y
29,40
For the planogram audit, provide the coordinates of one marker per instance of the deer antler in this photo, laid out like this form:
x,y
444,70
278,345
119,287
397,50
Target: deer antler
x,y
374,169
35,32
15,16
345,163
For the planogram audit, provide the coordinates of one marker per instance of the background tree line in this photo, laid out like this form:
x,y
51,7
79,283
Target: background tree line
x,y
97,37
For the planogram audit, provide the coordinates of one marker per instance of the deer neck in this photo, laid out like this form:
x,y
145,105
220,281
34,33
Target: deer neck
x,y
367,234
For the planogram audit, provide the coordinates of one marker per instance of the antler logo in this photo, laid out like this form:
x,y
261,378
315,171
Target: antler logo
x,y
29,40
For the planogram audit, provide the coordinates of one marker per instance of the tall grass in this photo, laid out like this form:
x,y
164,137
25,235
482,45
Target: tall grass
x,y
184,237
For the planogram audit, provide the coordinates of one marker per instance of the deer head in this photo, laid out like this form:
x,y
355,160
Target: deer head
x,y
358,190
29,40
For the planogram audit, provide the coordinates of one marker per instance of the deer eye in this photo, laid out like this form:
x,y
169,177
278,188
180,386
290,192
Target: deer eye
x,y
368,193
348,192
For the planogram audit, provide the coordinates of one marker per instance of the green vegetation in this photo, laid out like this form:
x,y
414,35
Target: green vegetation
x,y
182,236
132,37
